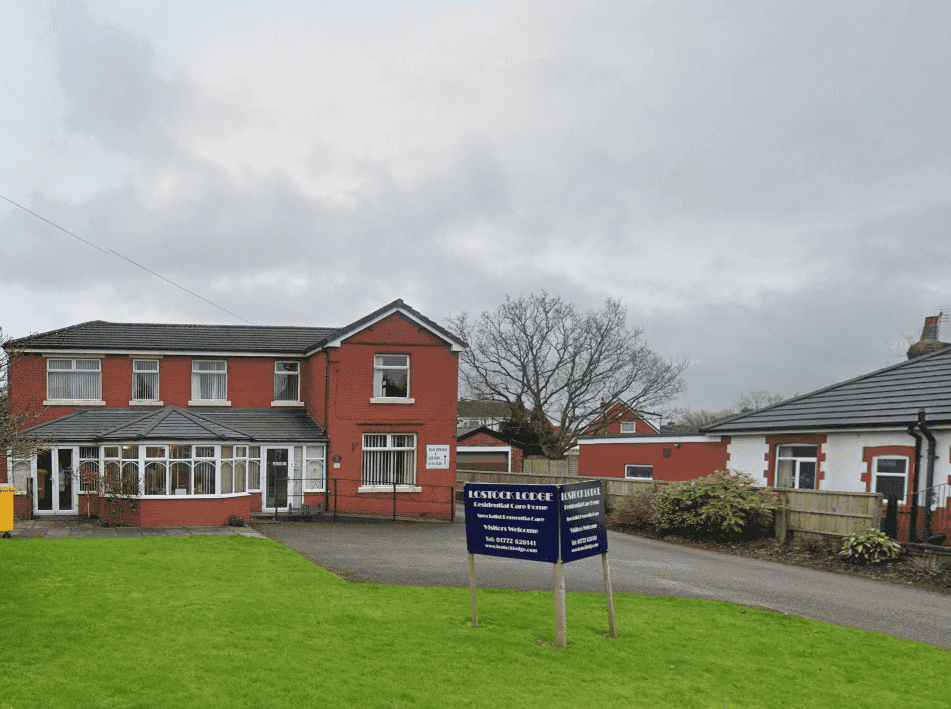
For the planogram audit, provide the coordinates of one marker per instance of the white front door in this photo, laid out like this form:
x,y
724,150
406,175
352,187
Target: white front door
x,y
55,486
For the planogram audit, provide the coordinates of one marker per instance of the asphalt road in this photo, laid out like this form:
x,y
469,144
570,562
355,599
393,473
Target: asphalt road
x,y
434,554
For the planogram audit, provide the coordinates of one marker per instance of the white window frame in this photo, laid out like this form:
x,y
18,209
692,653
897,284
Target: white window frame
x,y
903,500
797,464
628,426
376,459
136,373
380,367
628,468
296,401
197,373
316,455
61,401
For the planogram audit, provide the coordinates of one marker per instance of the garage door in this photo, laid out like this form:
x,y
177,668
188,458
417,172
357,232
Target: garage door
x,y
490,460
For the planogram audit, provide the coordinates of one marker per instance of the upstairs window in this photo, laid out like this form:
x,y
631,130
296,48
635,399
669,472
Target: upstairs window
x,y
74,379
209,380
796,466
891,477
629,427
391,376
287,381
145,380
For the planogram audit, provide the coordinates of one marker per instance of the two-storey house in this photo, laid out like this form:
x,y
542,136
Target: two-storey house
x,y
210,421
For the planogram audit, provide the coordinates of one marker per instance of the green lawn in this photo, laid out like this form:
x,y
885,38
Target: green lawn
x,y
241,622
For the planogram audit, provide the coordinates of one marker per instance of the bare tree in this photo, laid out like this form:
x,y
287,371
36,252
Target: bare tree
x,y
692,421
756,400
542,354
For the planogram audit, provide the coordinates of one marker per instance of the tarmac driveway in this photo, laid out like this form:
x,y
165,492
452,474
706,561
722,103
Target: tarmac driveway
x,y
434,554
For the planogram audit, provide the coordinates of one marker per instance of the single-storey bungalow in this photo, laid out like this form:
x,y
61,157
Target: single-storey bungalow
x,y
888,431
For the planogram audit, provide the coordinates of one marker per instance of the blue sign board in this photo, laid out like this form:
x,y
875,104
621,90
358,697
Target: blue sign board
x,y
527,521
515,521
584,528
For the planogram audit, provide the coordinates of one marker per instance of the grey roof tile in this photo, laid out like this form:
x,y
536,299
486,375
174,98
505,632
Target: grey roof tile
x,y
888,397
172,423
107,336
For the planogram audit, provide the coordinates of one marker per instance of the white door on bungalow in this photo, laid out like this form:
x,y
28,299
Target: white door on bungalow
x,y
56,485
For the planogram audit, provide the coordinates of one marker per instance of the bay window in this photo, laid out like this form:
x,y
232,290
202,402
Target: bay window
x,y
74,379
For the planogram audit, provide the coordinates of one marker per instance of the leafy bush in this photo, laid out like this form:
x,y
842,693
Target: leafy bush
x,y
869,546
636,511
236,521
723,505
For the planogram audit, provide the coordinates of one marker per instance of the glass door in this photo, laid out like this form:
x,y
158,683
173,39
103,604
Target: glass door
x,y
275,493
55,481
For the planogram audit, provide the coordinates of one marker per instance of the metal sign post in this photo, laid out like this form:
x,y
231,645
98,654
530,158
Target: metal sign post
x,y
555,524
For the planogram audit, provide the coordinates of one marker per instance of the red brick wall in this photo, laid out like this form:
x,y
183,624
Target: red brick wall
x,y
690,461
484,439
433,383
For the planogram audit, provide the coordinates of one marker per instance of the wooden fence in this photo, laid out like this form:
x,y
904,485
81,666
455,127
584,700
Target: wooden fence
x,y
539,465
802,512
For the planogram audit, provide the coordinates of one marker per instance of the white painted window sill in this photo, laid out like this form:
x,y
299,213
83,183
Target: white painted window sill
x,y
73,402
208,402
289,404
389,488
391,400
146,402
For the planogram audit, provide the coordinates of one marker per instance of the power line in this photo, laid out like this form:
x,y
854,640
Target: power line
x,y
126,258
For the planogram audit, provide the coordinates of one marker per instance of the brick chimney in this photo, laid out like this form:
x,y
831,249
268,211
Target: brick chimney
x,y
929,338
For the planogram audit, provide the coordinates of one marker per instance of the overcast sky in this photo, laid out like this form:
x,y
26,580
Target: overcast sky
x,y
765,185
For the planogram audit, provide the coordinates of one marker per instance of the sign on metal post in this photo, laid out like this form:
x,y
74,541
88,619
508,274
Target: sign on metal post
x,y
555,524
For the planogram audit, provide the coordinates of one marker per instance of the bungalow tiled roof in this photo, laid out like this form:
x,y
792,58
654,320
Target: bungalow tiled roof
x,y
173,423
102,336
889,397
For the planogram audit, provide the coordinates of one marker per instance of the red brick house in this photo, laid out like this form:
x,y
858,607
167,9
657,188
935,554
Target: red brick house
x,y
653,456
486,449
220,420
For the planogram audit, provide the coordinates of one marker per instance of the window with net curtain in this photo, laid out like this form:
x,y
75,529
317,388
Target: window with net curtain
x,y
287,381
74,379
796,465
389,458
145,380
209,380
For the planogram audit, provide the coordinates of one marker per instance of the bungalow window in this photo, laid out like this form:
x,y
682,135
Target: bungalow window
x,y
389,458
891,477
145,380
796,466
391,376
644,472
629,427
287,381
74,379
209,380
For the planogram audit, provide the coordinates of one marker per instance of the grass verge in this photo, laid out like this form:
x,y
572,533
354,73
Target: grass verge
x,y
242,622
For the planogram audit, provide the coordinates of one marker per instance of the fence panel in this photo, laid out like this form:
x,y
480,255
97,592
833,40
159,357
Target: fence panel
x,y
829,512
539,465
